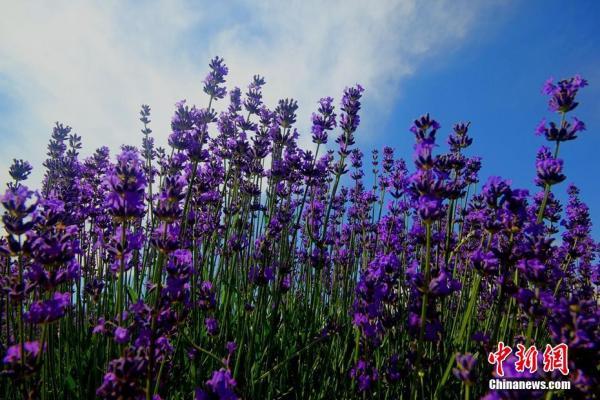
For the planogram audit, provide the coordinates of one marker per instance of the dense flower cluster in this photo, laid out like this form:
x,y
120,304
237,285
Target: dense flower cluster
x,y
126,278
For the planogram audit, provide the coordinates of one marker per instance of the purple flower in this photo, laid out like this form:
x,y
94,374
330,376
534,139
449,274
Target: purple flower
x,y
549,169
216,77
253,101
443,284
235,100
212,326
286,283
430,208
425,128
423,155
19,170
121,335
13,354
285,113
562,94
459,139
323,121
49,310
100,327
349,119
206,297
126,183
565,132
168,207
485,262
231,347
465,368
221,386
14,366
393,371
56,246
494,189
261,275
533,269
365,374
125,378
19,204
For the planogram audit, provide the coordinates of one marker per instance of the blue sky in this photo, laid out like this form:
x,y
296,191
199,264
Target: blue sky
x,y
494,81
92,64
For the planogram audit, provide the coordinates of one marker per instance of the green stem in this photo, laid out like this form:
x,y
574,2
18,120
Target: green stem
x,y
470,308
540,215
120,289
425,290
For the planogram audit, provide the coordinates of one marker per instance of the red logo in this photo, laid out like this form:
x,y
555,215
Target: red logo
x,y
526,359
555,358
499,356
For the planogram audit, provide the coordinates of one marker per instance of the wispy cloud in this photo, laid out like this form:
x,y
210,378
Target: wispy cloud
x,y
91,64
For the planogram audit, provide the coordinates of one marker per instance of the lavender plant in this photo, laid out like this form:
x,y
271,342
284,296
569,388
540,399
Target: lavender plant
x,y
238,265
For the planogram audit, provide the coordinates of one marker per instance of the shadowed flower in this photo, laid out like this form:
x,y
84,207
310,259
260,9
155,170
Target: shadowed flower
x,y
19,170
121,335
12,360
221,386
365,375
48,310
465,368
212,326
565,132
285,113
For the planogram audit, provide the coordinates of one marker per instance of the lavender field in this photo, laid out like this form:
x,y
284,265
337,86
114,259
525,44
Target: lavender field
x,y
236,264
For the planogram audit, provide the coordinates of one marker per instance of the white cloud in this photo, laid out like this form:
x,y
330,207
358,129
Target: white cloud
x,y
91,64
